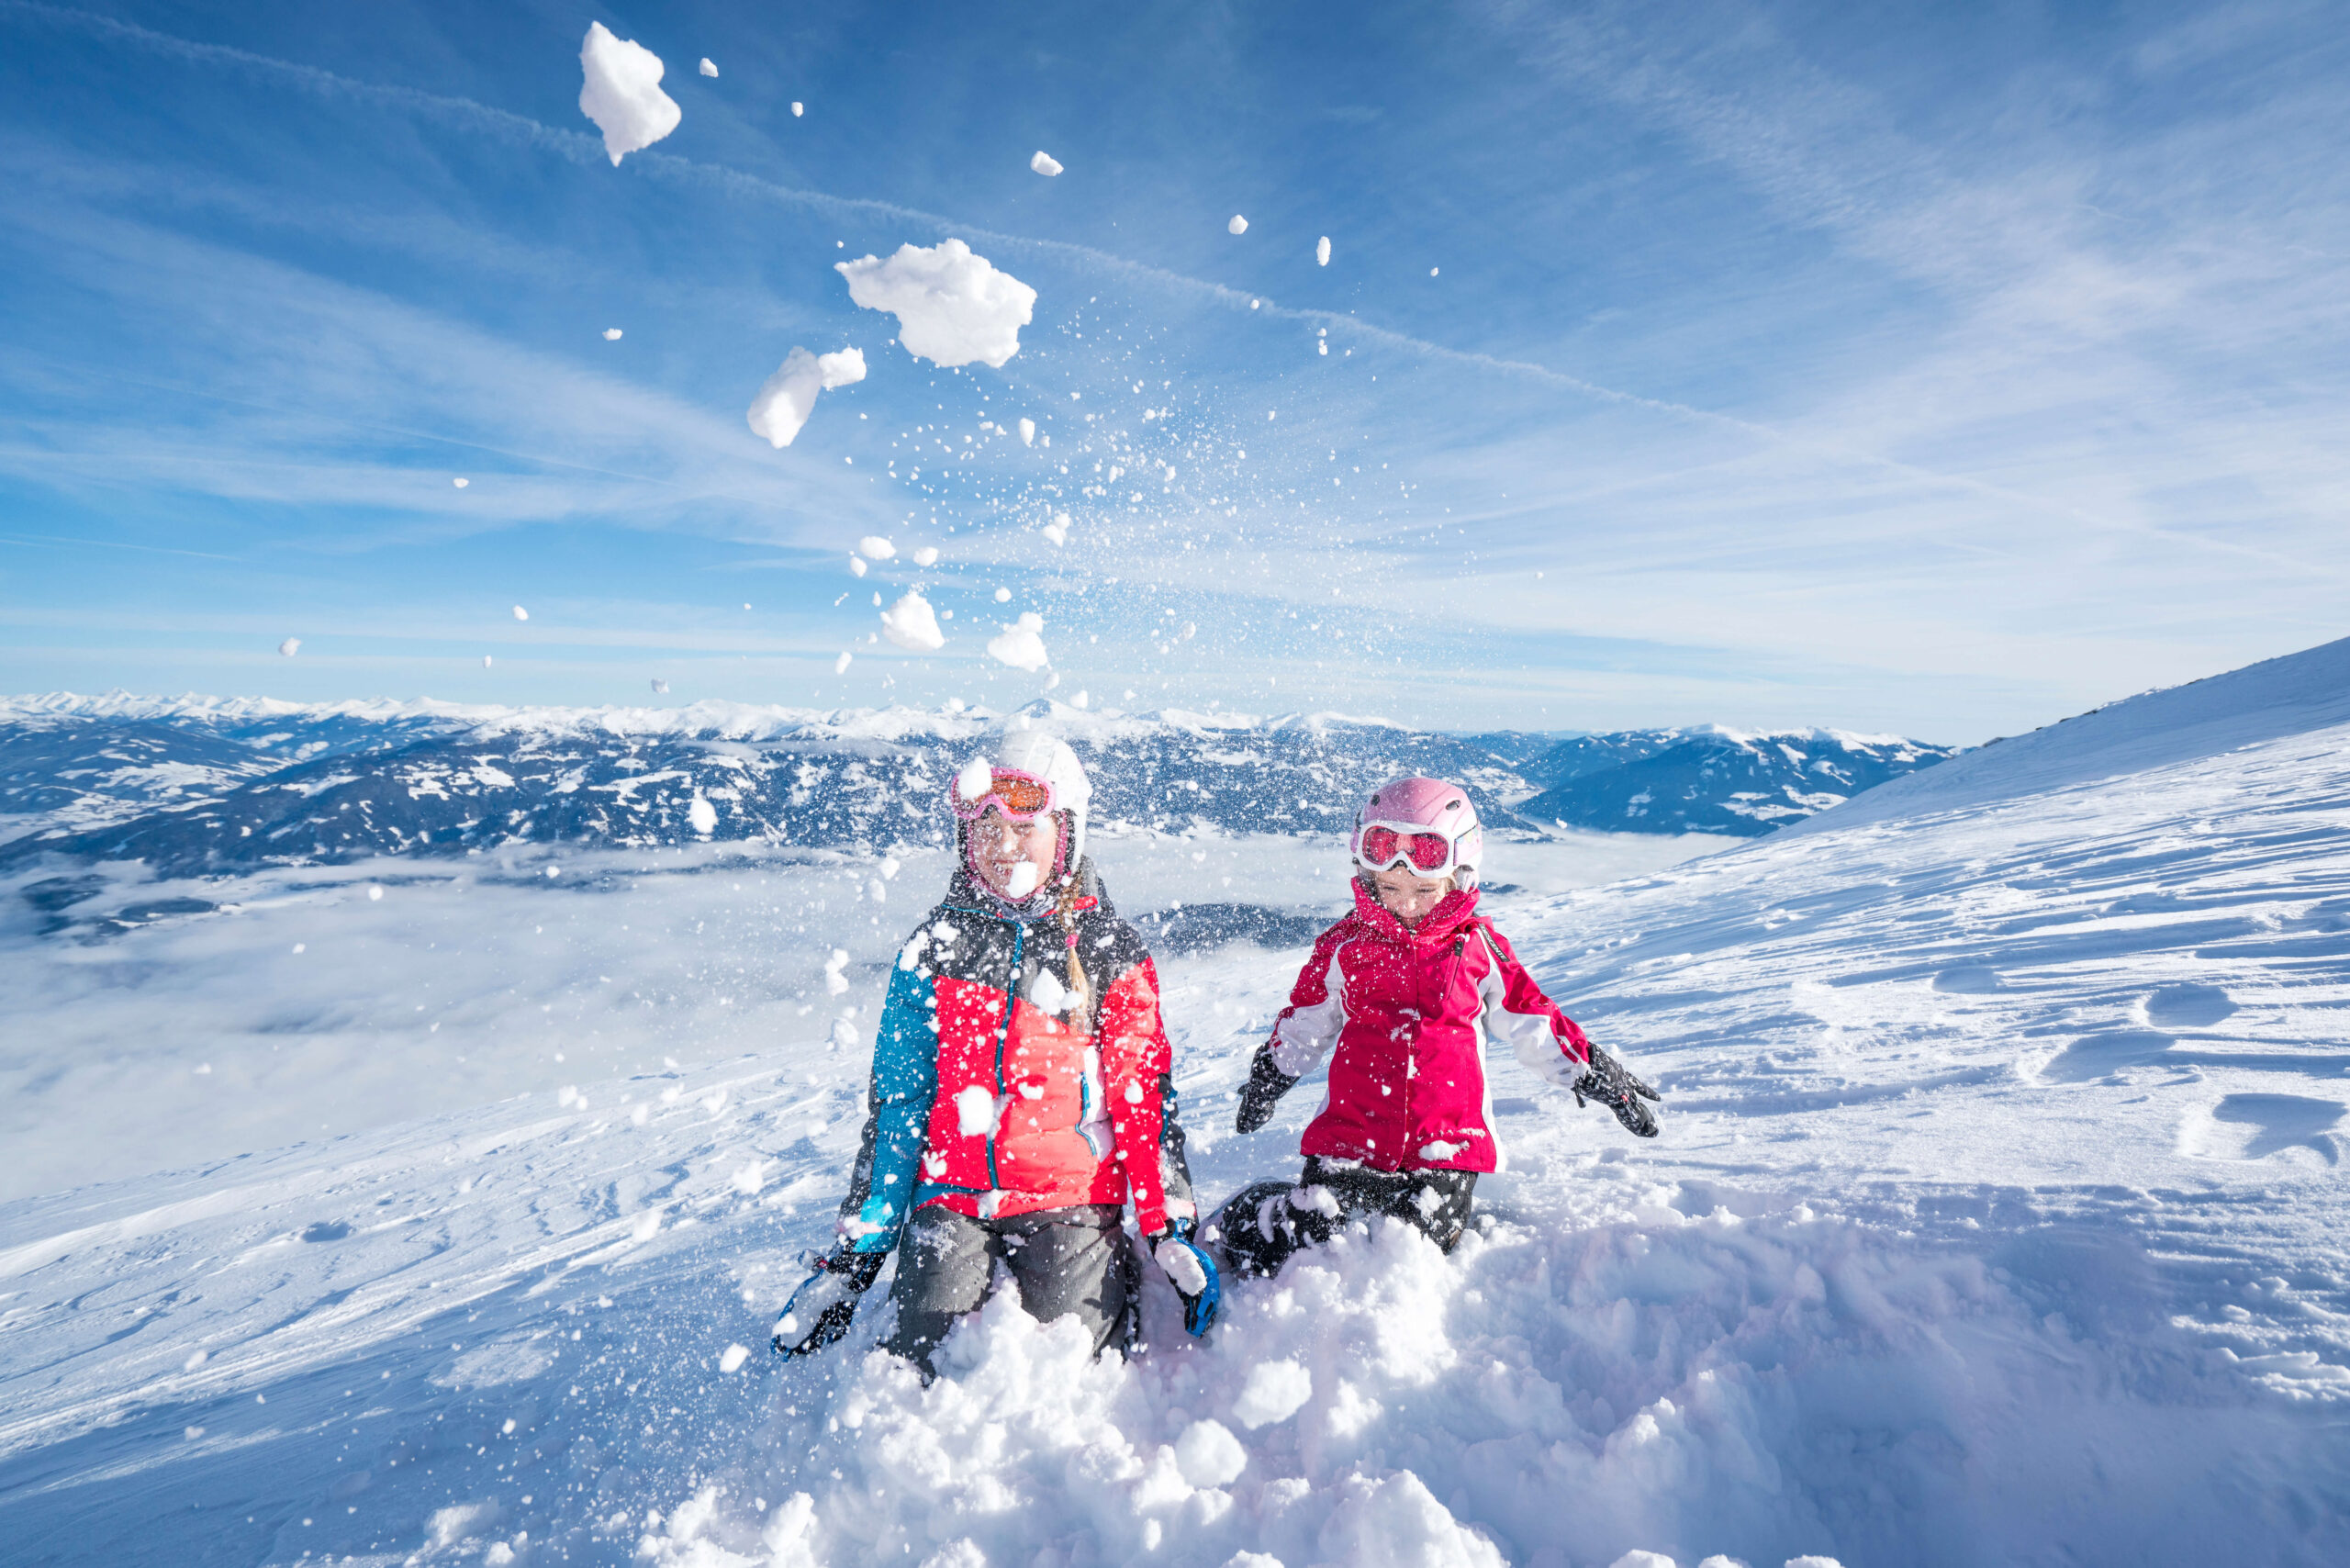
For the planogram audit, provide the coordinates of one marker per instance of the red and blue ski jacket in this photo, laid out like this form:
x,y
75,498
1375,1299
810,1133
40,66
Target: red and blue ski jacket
x,y
1405,1015
997,1092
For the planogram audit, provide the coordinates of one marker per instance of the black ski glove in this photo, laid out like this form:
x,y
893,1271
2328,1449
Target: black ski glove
x,y
820,1310
1265,1085
1607,1082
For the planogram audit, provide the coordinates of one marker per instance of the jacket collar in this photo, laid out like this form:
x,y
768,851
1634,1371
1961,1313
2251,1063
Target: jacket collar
x,y
1452,913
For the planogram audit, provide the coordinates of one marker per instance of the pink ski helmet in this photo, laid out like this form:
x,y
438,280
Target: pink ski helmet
x,y
1424,823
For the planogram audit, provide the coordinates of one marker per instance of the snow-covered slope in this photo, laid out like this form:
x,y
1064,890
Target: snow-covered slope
x,y
1711,779
1997,1219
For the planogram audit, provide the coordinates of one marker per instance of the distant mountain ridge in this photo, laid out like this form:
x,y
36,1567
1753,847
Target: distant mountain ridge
x,y
191,785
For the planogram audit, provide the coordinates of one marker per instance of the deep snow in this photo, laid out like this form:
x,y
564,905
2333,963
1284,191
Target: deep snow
x,y
1996,1219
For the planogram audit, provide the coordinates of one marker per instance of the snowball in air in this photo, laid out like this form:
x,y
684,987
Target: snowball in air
x,y
1003,596
521,613
952,306
291,647
1057,530
873,547
702,816
857,566
1238,225
660,687
926,556
1322,251
1021,646
1027,432
789,397
911,624
840,666
1045,164
484,661
461,483
1432,272
611,334
973,779
796,108
621,93
734,1356
708,69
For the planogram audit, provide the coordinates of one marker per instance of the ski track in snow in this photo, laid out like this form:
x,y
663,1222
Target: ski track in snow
x,y
1996,1219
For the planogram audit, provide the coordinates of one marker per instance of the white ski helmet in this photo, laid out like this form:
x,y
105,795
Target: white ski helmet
x,y
1039,755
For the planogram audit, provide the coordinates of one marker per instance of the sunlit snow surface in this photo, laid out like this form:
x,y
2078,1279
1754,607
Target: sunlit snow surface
x,y
1996,1219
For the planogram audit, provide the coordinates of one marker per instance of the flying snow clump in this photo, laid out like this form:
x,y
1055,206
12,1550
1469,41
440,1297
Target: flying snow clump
x,y
1023,644
702,816
873,547
611,334
622,93
521,613
911,624
926,556
952,306
840,666
1238,225
461,483
1045,164
708,67
660,687
789,397
1057,530
857,566
291,647
798,108
1027,432
1322,251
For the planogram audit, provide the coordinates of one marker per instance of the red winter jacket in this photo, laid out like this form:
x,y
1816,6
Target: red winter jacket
x,y
1409,1012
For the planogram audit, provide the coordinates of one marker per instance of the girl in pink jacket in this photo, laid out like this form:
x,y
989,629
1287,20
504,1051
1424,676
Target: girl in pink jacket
x,y
1403,998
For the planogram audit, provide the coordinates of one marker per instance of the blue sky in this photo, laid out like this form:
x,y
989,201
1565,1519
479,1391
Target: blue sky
x,y
1935,369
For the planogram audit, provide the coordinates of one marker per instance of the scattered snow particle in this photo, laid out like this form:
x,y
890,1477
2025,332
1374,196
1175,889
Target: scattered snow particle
x,y
1057,530
648,1225
840,666
1323,348
461,483
975,1110
521,613
291,647
193,1361
1274,1392
973,779
660,687
1432,272
611,334
621,93
1027,432
1271,414
1254,303
1209,1455
1322,251
733,1358
1003,596
702,816
484,661
553,871
1022,880
374,895
952,306
1079,701
1021,646
785,398
911,624
857,566
708,70
1045,164
926,556
796,108
1238,225
874,548
300,945
192,1433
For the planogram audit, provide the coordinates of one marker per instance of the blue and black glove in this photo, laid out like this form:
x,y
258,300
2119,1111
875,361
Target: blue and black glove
x,y
1193,1275
1267,1083
820,1311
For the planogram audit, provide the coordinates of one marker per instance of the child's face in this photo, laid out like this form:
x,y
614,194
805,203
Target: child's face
x,y
1409,896
1001,846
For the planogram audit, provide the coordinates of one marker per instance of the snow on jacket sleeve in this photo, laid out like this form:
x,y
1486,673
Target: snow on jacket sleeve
x,y
1544,1038
1137,1075
1308,1028
897,1110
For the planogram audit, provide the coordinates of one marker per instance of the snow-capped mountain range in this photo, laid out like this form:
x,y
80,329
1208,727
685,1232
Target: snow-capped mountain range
x,y
193,784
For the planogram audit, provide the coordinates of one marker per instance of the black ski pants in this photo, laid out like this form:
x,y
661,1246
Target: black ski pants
x,y
1075,1261
1263,1225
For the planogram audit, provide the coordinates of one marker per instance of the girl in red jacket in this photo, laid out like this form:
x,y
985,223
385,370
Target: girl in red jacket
x,y
1403,998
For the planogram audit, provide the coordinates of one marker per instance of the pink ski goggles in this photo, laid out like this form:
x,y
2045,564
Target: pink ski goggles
x,y
1382,845
1020,796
